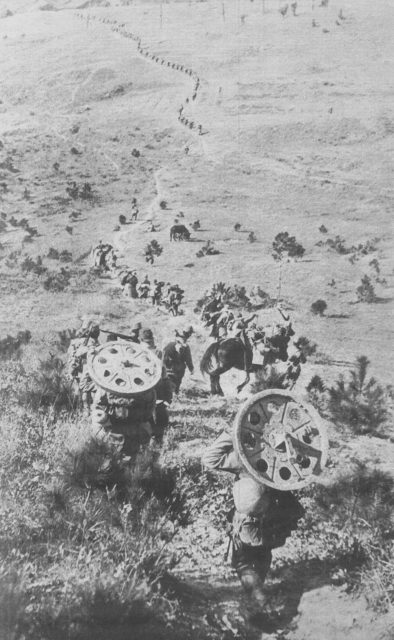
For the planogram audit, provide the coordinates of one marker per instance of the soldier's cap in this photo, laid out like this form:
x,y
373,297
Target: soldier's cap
x,y
250,497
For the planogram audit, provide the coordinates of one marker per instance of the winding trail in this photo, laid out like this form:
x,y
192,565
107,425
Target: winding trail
x,y
148,55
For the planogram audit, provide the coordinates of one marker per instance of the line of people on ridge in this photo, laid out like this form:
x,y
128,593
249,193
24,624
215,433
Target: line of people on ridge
x,y
158,292
120,28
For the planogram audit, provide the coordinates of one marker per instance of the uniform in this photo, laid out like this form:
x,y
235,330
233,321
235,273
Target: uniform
x,y
77,364
127,423
176,357
262,518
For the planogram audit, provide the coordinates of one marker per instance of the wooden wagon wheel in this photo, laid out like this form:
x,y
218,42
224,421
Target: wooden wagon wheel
x,y
280,440
124,368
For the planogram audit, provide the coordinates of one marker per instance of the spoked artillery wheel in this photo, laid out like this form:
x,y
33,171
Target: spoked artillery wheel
x,y
281,441
124,368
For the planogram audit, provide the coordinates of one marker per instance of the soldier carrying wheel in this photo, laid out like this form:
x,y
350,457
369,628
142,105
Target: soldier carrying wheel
x,y
126,410
277,445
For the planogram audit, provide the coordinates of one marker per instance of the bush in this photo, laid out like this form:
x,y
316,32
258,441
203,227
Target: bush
x,y
47,387
318,307
29,265
359,403
366,291
53,254
305,347
271,379
57,281
10,347
286,245
64,339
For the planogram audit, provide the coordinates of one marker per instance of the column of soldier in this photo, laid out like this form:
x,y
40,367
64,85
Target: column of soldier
x,y
143,51
158,293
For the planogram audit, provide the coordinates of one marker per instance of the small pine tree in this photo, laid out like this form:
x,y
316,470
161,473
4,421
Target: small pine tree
x,y
360,402
318,307
366,291
286,245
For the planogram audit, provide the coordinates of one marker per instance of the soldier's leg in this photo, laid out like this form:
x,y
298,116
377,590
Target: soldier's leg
x,y
252,565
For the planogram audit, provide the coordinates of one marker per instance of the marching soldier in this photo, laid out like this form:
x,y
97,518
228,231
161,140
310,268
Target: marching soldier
x,y
163,388
86,339
177,356
261,520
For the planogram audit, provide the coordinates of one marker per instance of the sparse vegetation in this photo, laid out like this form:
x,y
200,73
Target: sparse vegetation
x,y
285,245
11,347
152,250
366,291
338,244
208,249
318,307
358,402
57,281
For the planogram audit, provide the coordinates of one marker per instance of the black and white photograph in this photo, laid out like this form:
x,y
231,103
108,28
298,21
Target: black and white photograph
x,y
196,319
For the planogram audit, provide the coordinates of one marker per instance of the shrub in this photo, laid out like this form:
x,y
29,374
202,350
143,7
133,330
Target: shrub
x,y
47,387
318,307
57,281
65,256
366,291
64,339
53,254
10,347
374,264
271,379
286,245
359,403
237,226
252,237
317,393
153,249
305,347
323,229
29,265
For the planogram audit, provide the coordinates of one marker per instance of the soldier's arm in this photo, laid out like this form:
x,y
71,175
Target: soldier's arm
x,y
220,455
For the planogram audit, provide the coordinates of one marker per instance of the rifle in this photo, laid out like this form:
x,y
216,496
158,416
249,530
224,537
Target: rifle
x,y
120,335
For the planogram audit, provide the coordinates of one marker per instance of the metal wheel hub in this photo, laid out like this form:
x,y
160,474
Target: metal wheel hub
x,y
280,440
124,368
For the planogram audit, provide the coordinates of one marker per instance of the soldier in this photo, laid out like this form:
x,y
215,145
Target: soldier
x,y
163,388
86,339
280,341
134,210
177,356
293,371
225,317
261,520
239,326
144,288
126,423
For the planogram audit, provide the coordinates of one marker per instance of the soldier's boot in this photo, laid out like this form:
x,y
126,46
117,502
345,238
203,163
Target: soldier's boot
x,y
253,585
